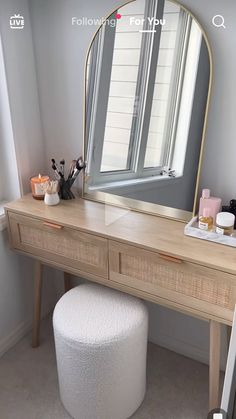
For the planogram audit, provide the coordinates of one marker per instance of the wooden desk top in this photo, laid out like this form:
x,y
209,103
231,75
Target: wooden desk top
x,y
146,231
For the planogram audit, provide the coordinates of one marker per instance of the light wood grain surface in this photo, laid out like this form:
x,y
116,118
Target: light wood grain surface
x,y
142,230
66,245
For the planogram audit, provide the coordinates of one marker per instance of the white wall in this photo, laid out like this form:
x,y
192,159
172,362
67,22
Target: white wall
x,y
16,285
23,92
16,291
220,149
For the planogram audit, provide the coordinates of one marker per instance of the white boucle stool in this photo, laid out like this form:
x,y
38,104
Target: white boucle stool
x,y
101,345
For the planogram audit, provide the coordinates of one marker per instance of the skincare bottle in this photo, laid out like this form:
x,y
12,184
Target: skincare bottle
x,y
225,223
211,202
205,221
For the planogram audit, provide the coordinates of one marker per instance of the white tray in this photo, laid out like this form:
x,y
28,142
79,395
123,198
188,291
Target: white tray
x,y
191,229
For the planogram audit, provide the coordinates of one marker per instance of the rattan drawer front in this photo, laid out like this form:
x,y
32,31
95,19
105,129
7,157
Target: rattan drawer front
x,y
189,284
82,251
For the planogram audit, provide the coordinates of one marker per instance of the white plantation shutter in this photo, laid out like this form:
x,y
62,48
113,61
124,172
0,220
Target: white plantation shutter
x,y
162,87
121,99
124,75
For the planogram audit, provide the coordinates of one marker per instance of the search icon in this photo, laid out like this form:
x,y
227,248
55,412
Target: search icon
x,y
218,21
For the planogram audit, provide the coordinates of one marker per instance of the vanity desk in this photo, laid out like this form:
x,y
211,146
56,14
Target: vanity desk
x,y
137,253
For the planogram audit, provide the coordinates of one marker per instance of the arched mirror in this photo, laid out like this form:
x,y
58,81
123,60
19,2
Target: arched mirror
x,y
148,78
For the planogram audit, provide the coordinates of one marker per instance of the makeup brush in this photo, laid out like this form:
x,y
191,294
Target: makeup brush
x,y
62,163
80,164
54,162
57,172
72,168
55,168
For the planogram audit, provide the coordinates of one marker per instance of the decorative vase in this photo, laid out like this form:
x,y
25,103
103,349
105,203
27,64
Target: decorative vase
x,y
51,198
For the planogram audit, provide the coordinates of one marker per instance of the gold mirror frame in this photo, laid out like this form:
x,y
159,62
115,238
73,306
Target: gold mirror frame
x,y
142,206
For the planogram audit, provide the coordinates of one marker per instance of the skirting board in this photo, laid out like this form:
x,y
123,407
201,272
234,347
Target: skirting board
x,y
168,342
18,333
164,340
184,348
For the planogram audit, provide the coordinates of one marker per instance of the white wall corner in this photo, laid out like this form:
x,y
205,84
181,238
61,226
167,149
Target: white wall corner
x,y
22,329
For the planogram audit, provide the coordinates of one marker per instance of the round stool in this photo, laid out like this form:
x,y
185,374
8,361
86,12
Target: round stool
x,y
101,344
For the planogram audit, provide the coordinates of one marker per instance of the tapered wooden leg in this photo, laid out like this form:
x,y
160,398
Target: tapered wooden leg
x,y
67,282
38,268
214,368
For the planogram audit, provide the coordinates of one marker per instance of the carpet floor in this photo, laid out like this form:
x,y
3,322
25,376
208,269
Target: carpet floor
x,y
177,387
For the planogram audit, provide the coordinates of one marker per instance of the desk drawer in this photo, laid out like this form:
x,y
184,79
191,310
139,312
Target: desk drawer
x,y
188,284
59,244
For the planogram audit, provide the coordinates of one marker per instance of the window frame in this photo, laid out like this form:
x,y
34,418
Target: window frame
x,y
8,160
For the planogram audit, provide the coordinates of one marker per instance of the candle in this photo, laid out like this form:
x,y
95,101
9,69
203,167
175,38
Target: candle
x,y
39,185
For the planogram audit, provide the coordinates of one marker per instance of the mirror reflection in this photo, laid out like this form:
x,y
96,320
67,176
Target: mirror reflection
x,y
147,82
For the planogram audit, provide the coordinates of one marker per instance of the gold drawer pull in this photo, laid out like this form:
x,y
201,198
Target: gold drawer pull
x,y
170,258
56,226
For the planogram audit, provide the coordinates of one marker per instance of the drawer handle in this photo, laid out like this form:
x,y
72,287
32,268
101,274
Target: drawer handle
x,y
56,226
170,258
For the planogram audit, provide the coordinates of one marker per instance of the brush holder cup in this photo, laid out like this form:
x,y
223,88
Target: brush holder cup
x,y
65,189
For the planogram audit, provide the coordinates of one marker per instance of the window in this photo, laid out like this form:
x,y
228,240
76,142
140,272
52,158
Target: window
x,y
9,181
132,129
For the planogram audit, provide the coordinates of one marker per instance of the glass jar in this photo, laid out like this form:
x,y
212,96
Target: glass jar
x,y
225,223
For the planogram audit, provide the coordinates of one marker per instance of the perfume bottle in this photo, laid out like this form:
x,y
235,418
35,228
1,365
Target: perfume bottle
x,y
206,220
211,202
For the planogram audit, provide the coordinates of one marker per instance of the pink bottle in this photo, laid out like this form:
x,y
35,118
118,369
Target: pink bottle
x,y
211,202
